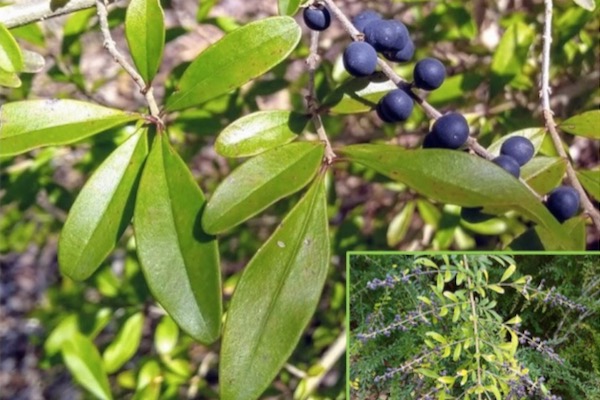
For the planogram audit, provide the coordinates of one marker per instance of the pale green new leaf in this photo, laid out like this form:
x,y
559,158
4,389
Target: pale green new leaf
x,y
11,59
125,344
166,335
508,272
275,299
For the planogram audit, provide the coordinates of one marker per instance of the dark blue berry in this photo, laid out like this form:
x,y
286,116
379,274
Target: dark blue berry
x,y
386,35
362,19
429,74
430,142
563,202
382,114
518,147
402,55
396,105
509,164
451,130
360,59
317,17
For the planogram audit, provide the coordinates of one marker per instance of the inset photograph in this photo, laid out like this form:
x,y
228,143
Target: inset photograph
x,y
474,326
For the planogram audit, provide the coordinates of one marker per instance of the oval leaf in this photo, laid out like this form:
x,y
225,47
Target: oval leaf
x,y
585,124
25,125
125,344
166,335
145,32
238,57
260,182
102,210
11,59
288,7
543,174
84,362
9,79
275,299
458,178
400,224
179,260
358,95
258,132
590,180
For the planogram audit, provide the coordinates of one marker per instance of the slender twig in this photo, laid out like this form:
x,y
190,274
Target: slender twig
x,y
429,110
549,116
110,46
25,12
311,99
475,324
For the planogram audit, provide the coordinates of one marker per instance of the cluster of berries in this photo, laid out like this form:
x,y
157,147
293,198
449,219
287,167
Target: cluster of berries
x,y
450,131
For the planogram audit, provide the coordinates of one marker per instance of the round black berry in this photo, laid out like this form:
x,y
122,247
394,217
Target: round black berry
x,y
430,142
518,147
509,164
429,74
382,114
317,17
451,130
563,202
386,35
402,55
360,59
396,105
362,19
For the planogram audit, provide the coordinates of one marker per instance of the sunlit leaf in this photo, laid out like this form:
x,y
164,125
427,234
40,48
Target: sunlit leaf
x,y
585,124
399,225
11,59
543,174
275,299
288,7
166,335
125,344
590,180
508,272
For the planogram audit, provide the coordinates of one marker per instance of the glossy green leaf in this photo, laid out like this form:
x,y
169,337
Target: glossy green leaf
x,y
511,55
472,182
145,33
275,299
125,344
237,58
585,124
179,260
11,59
535,135
25,125
454,88
84,362
400,224
102,210
590,180
166,335
258,132
260,182
543,174
358,95
288,7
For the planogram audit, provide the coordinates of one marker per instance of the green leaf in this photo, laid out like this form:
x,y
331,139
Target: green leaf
x,y
543,174
237,58
454,88
11,59
260,182
145,32
472,182
125,344
511,55
437,337
275,299
179,260
508,273
258,132
589,5
496,288
84,362
427,372
9,79
166,335
535,135
102,210
25,125
288,7
400,224
358,95
590,180
585,124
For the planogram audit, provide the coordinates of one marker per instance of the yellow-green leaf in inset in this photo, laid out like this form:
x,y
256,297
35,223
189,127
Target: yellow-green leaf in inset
x,y
237,58
102,210
25,125
11,59
437,337
178,259
260,182
496,288
84,362
585,124
508,273
145,32
275,299
258,132
125,344
474,182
